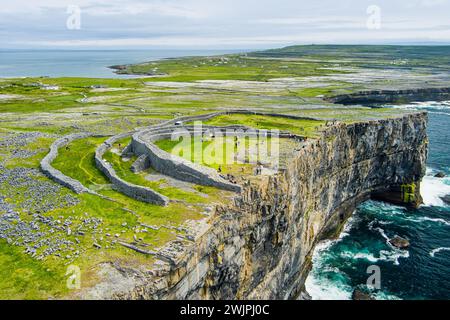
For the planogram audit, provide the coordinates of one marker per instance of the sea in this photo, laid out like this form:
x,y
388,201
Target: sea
x,y
83,63
420,273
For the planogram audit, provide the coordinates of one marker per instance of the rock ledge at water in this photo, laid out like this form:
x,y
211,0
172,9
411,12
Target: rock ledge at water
x,y
360,295
446,198
440,175
399,242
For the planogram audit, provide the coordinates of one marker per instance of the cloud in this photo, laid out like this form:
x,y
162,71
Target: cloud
x,y
241,42
190,23
158,8
102,7
433,3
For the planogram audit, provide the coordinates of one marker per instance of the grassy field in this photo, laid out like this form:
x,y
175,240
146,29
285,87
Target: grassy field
x,y
120,216
123,169
307,128
37,111
229,67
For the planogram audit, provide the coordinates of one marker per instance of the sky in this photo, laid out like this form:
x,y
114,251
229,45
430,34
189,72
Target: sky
x,y
219,24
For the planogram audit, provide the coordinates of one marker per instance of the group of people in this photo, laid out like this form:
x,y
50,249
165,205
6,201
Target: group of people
x,y
258,169
229,176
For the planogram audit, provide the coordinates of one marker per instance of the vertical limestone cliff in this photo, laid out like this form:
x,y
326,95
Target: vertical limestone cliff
x,y
260,246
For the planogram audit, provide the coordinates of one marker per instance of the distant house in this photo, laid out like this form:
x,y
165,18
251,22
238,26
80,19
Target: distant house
x,y
98,86
49,87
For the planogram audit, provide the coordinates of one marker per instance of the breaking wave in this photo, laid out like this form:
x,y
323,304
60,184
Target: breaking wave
x,y
433,189
437,250
340,266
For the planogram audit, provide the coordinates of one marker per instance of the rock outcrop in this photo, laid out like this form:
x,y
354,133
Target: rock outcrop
x,y
446,199
393,96
360,295
399,243
260,246
440,175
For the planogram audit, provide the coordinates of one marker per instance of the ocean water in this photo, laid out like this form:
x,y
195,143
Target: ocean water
x,y
421,272
83,63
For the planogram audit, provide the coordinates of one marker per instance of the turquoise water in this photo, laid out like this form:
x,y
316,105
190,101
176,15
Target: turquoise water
x,y
82,63
423,271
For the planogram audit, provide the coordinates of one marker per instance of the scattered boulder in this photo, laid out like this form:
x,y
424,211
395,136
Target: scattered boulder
x,y
360,295
304,295
446,198
440,174
399,243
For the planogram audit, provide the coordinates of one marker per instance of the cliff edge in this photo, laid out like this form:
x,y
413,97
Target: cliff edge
x,y
260,246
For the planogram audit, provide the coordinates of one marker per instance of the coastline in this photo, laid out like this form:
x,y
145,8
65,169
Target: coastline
x,y
154,101
339,265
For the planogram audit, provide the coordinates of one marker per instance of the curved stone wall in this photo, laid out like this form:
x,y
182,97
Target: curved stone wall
x,y
182,169
150,155
134,191
177,167
57,175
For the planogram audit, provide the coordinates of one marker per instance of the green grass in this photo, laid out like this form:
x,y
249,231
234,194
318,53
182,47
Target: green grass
x,y
324,91
40,146
49,104
228,67
26,278
223,153
123,169
78,163
304,127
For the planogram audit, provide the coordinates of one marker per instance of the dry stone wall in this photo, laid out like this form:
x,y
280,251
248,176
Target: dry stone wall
x,y
134,191
56,175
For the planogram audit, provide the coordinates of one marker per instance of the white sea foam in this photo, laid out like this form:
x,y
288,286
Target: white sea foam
x,y
441,105
441,113
324,289
400,214
438,220
383,234
392,255
434,251
359,255
432,189
347,227
385,296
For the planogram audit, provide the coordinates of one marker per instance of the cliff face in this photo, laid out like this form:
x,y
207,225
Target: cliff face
x,y
393,96
260,246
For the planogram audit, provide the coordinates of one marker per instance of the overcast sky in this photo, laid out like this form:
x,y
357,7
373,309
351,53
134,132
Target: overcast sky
x,y
202,24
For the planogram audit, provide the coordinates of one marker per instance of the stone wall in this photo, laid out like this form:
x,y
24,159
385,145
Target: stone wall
x,y
260,245
178,167
56,175
134,191
181,169
142,163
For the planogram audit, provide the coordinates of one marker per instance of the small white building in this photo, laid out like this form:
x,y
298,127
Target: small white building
x,y
49,87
